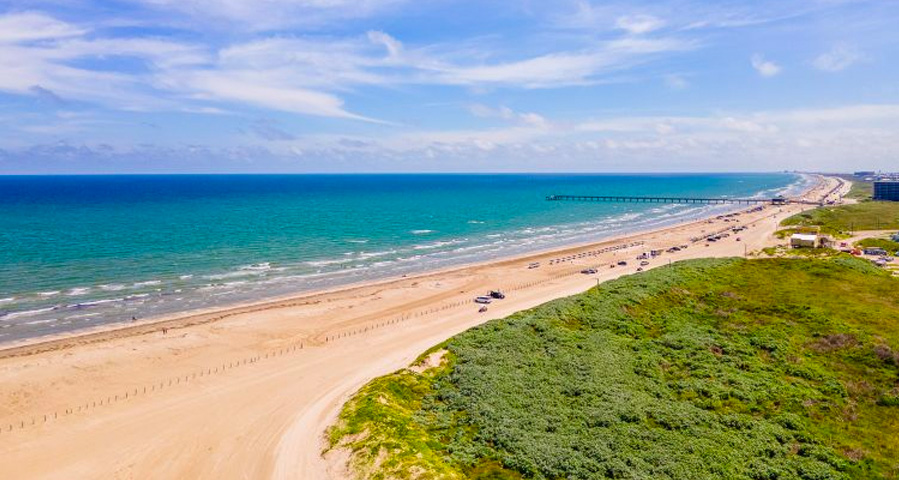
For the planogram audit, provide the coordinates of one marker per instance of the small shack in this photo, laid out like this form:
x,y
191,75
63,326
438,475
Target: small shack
x,y
804,240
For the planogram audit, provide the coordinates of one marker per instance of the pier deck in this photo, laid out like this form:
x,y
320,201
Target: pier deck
x,y
685,200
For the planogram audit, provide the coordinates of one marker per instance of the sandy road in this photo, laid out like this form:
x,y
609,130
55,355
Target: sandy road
x,y
265,419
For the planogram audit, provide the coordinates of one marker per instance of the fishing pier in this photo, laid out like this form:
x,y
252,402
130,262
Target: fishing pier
x,y
683,200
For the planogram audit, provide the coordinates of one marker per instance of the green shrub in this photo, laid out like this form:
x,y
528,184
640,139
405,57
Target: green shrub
x,y
708,369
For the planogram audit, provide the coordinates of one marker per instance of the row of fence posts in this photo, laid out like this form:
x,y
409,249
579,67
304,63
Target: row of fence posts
x,y
218,369
148,389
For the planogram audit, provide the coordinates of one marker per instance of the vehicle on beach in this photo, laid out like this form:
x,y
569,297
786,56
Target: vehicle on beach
x,y
639,269
483,299
497,294
589,271
644,263
533,265
622,263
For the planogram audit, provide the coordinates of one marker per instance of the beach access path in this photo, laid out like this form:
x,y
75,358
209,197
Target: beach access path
x,y
247,393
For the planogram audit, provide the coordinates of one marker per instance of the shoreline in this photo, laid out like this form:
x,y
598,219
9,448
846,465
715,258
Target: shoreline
x,y
200,316
187,318
98,311
242,397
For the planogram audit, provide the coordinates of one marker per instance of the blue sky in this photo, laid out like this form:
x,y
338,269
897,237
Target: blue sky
x,y
122,86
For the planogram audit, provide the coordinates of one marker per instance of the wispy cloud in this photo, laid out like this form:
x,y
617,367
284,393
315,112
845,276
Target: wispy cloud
x,y
639,24
342,79
765,68
839,58
263,15
507,114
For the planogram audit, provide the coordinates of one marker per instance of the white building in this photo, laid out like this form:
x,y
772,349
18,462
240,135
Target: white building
x,y
804,240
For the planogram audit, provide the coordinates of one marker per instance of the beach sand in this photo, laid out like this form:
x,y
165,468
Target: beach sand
x,y
248,392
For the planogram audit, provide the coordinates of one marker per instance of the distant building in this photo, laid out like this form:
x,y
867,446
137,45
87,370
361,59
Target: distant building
x,y
865,174
886,191
804,240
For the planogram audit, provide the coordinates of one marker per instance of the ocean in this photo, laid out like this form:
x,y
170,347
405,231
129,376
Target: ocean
x,y
83,251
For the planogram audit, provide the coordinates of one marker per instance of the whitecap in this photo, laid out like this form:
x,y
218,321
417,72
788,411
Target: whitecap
x,y
39,322
81,316
77,291
325,263
256,267
148,283
421,232
432,246
365,255
27,313
94,303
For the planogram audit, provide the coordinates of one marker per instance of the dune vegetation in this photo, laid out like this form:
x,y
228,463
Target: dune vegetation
x,y
708,369
849,218
861,190
884,243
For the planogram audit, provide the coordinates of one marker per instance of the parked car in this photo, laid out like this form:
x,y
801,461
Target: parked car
x,y
497,294
484,300
644,263
588,271
622,263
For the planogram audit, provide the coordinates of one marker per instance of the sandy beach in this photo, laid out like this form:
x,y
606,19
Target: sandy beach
x,y
247,392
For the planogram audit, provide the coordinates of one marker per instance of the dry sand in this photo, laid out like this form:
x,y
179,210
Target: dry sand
x,y
248,392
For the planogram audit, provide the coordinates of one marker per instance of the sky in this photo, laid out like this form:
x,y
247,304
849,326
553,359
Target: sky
x,y
259,86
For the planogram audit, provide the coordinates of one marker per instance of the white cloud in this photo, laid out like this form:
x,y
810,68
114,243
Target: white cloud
x,y
31,26
261,15
639,24
299,74
394,47
250,88
837,59
766,68
562,68
506,113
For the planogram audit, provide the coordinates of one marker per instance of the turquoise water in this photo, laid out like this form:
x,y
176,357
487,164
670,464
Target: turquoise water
x,y
78,251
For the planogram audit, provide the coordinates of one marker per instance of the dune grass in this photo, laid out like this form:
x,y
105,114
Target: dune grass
x,y
886,244
846,218
861,190
738,369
